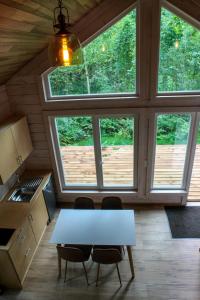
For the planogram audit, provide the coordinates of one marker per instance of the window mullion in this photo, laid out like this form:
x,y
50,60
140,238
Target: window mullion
x,y
97,149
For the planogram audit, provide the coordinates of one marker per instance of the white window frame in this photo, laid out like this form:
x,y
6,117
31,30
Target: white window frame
x,y
97,152
103,96
152,149
177,94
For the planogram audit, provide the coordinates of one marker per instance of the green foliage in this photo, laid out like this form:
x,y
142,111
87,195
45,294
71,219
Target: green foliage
x,y
77,131
110,61
179,55
173,129
73,129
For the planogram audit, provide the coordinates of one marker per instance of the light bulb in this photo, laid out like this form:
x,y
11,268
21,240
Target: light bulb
x,y
103,48
176,44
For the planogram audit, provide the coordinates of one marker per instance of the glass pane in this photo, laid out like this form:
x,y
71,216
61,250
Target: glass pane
x,y
111,64
77,149
171,146
117,138
179,55
194,191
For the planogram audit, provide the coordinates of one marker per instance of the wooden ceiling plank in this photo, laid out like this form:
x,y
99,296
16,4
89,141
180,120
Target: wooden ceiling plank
x,y
24,6
19,15
26,27
36,7
4,48
10,24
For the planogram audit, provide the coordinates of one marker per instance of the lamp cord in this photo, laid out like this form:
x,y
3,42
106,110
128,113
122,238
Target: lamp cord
x,y
61,6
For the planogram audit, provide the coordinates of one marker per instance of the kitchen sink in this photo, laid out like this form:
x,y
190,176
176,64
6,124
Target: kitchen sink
x,y
5,235
21,194
26,190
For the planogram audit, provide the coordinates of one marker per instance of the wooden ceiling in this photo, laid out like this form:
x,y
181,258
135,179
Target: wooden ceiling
x,y
26,27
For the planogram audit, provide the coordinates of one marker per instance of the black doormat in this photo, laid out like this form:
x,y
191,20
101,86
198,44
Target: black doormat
x,y
184,221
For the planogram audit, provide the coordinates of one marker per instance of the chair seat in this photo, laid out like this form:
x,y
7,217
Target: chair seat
x,y
86,249
108,247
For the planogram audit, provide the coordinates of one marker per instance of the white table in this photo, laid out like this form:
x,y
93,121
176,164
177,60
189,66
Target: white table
x,y
95,227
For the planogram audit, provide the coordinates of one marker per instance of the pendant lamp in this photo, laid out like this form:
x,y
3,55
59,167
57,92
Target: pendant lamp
x,y
65,48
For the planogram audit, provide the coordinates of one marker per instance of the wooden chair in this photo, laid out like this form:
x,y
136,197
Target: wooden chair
x,y
111,203
105,255
74,253
83,203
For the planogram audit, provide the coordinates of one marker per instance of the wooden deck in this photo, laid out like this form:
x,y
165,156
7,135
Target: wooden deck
x,y
79,166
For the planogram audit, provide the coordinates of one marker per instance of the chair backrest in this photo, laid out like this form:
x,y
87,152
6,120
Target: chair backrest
x,y
107,256
111,203
71,253
83,203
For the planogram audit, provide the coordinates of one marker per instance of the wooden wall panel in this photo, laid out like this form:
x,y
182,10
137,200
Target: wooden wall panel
x,y
5,109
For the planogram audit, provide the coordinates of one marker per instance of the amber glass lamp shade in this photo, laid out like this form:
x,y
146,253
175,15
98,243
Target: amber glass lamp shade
x,y
65,50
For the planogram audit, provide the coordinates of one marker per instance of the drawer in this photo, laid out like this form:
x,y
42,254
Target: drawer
x,y
22,249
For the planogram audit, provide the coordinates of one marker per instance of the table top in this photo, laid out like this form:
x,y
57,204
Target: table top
x,y
94,227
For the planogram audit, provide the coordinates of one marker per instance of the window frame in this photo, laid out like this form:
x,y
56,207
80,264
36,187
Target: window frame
x,y
48,98
97,153
166,5
152,149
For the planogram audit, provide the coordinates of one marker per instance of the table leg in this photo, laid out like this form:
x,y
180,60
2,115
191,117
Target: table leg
x,y
131,261
59,264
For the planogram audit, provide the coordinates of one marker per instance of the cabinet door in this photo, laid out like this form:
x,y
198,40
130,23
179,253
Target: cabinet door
x,y
22,250
22,138
9,156
38,217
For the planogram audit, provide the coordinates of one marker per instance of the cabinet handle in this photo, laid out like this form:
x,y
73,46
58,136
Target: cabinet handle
x,y
18,160
22,238
31,218
27,252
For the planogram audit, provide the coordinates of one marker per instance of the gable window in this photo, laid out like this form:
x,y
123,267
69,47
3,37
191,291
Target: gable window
x,y
179,66
96,152
110,65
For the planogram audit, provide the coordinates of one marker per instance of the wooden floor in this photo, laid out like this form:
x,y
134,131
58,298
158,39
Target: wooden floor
x,y
166,269
79,166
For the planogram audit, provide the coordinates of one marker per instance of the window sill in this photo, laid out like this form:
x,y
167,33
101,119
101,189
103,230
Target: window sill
x,y
179,192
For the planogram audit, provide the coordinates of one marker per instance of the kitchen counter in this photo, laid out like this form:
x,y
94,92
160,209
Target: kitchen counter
x,y
13,214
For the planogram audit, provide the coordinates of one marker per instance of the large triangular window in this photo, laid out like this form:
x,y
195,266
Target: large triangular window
x,y
110,64
179,66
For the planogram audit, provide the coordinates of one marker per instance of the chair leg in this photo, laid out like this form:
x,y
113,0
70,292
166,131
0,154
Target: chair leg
x,y
119,274
86,276
65,271
98,269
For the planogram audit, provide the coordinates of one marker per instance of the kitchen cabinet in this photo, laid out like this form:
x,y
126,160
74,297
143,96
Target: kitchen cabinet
x,y
22,250
38,217
9,161
22,138
27,222
16,145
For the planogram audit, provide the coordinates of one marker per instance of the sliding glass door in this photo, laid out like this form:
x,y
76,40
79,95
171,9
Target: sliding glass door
x,y
96,152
